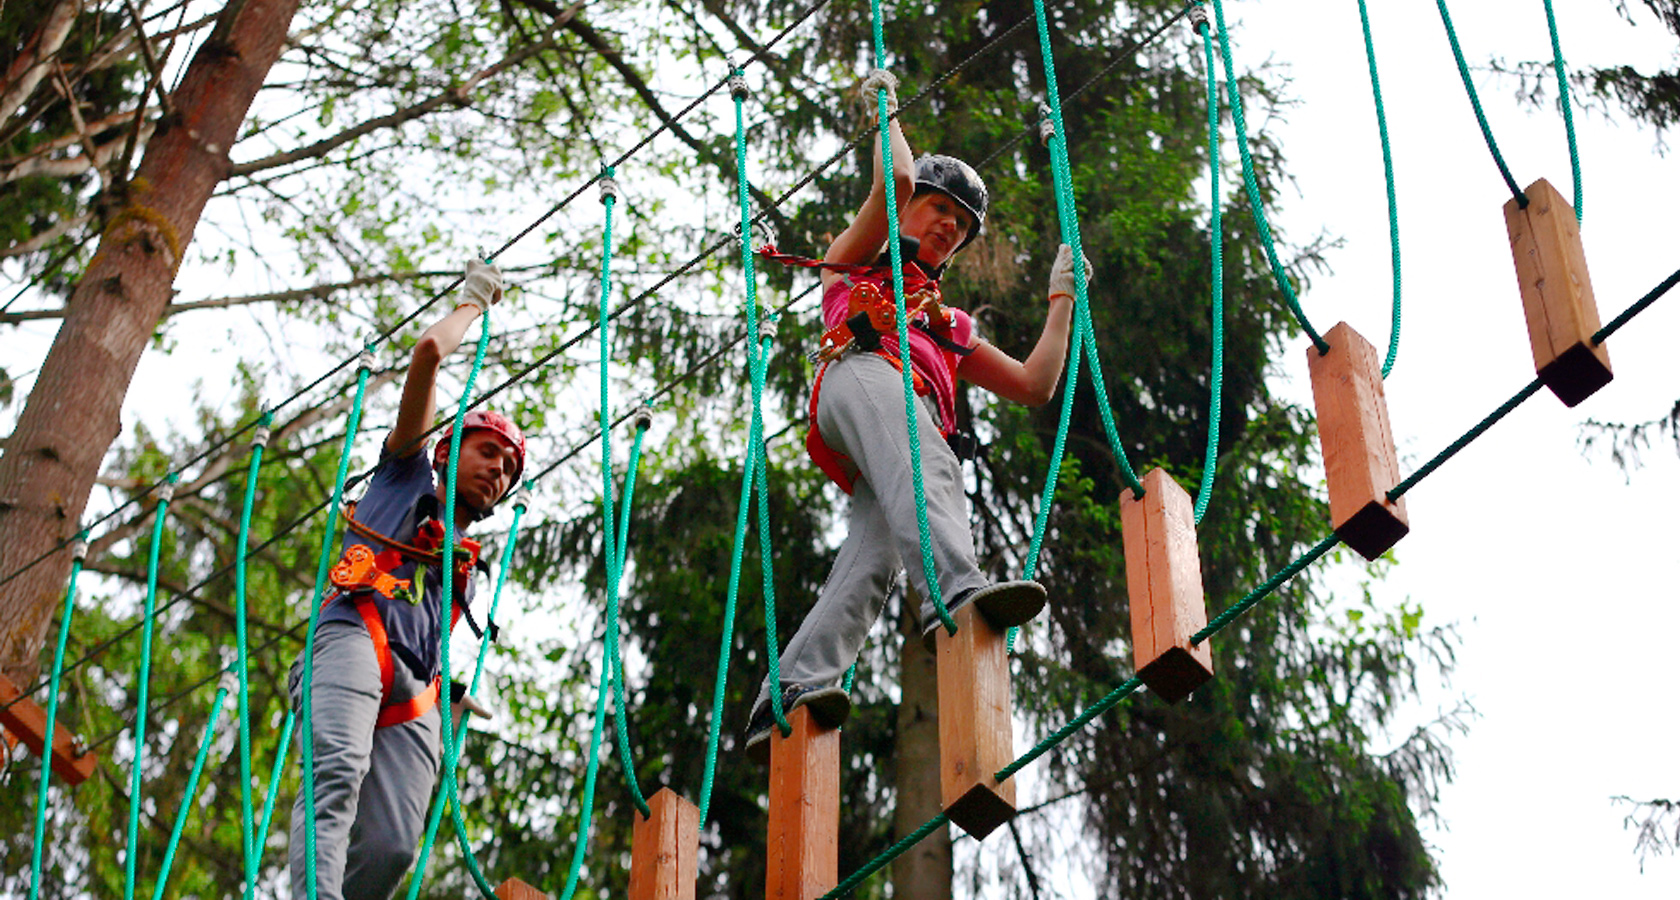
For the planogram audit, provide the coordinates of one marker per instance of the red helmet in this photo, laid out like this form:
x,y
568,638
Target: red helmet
x,y
487,420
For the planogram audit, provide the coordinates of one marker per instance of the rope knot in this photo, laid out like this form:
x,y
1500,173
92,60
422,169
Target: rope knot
x,y
738,85
1198,17
260,437
609,190
766,328
642,418
1046,127
364,360
78,549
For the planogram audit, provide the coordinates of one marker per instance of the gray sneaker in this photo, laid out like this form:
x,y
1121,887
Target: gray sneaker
x,y
1005,605
829,705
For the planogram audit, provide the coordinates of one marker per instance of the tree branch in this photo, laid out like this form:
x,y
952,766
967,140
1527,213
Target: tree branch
x,y
459,95
33,64
46,237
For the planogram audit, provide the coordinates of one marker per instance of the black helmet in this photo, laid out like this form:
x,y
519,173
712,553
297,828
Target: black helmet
x,y
958,180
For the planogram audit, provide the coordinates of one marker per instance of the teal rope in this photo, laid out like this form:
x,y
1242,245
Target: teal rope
x,y
1210,460
247,828
52,717
145,681
191,792
1638,307
909,840
1476,104
902,316
608,543
587,807
449,791
758,353
436,816
1264,590
1388,178
714,730
280,755
1568,113
1234,93
306,752
1464,440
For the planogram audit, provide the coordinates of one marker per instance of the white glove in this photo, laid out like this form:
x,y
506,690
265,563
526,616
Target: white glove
x,y
1061,274
482,288
878,79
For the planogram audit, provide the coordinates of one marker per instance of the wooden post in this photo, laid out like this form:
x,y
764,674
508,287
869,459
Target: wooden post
x,y
1557,295
976,737
27,721
665,849
803,849
1353,431
1164,583
514,889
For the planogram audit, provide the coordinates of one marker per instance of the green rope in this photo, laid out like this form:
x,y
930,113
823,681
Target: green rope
x,y
883,117
1476,104
621,727
1637,308
714,730
1252,186
247,828
436,816
1264,590
1568,113
145,681
1216,387
191,792
1464,440
80,554
280,754
306,753
758,353
910,840
587,807
449,790
1388,179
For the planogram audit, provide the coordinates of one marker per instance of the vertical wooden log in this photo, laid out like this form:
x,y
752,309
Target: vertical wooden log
x,y
514,889
976,737
803,849
25,720
1353,431
1164,583
1557,294
665,849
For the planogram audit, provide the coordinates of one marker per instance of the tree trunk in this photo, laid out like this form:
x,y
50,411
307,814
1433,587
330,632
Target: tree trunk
x,y
71,418
924,872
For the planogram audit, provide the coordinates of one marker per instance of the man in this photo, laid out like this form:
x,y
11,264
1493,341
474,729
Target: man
x,y
376,678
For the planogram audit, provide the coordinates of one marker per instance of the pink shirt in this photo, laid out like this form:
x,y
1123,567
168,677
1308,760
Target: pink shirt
x,y
934,363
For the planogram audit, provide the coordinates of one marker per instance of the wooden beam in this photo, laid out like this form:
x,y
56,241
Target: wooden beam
x,y
514,889
803,849
1353,431
1164,584
976,737
665,849
1557,294
27,722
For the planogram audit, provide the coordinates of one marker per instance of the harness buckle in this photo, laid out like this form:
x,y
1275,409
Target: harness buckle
x,y
358,569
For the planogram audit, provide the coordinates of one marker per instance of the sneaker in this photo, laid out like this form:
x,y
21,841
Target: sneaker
x,y
829,705
1005,605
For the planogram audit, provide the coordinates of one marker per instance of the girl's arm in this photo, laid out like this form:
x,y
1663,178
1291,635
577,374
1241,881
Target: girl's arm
x,y
1032,382
862,240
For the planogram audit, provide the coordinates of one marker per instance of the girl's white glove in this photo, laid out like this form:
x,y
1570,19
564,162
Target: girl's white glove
x,y
482,288
878,79
1061,274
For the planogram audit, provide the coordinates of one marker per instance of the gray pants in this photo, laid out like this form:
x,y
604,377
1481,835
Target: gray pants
x,y
860,413
372,786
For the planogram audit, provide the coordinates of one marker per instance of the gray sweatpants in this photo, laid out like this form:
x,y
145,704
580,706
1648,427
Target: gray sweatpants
x,y
372,786
860,413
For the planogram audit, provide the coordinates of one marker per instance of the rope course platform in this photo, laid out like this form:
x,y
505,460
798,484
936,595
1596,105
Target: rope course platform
x,y
1171,632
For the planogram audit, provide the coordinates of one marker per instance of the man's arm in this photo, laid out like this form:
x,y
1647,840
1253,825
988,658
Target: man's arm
x,y
483,286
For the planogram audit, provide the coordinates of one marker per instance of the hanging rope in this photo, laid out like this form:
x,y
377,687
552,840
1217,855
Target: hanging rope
x,y
1476,104
247,827
78,555
281,753
1216,381
883,117
1252,186
1568,114
144,679
1388,180
191,792
306,755
587,807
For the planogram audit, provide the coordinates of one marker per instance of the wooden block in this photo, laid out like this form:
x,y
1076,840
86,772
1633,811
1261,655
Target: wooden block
x,y
1557,294
803,849
27,722
1353,431
1164,582
514,889
976,736
665,849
